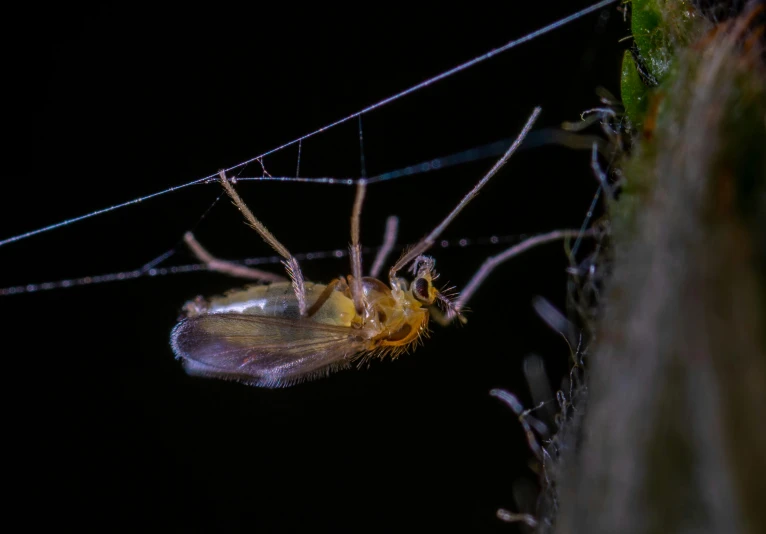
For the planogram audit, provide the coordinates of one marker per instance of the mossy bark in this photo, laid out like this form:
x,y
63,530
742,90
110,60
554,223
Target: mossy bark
x,y
673,437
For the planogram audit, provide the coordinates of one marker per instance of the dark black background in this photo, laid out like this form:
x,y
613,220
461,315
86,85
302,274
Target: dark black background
x,y
104,427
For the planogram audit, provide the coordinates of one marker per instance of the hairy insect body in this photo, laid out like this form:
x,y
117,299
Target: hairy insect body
x,y
257,335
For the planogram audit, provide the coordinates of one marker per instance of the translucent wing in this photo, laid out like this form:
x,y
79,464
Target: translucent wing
x,y
264,351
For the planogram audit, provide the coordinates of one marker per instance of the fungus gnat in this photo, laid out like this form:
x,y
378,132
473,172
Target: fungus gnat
x,y
285,332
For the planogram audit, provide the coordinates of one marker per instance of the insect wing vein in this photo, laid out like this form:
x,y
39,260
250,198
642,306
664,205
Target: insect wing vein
x,y
263,350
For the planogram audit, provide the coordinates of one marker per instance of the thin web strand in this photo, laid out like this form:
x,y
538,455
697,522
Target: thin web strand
x,y
536,138
151,269
463,66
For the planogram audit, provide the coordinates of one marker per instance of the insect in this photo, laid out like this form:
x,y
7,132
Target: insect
x,y
287,332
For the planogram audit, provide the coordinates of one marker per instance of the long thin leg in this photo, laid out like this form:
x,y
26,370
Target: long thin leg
x,y
493,261
228,267
290,263
429,240
357,293
389,241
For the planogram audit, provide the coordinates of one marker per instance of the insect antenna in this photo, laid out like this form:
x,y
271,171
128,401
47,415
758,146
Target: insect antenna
x,y
446,300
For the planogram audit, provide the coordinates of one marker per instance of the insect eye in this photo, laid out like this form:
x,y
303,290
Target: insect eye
x,y
420,290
